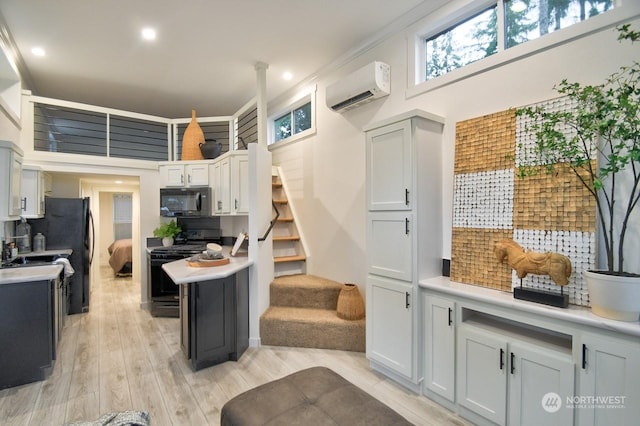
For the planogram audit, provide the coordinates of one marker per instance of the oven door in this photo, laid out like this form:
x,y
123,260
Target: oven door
x,y
163,292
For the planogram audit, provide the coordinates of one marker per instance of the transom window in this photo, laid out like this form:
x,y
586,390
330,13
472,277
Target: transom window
x,y
502,25
295,120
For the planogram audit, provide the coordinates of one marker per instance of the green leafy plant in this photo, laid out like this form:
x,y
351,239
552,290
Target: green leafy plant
x,y
604,124
168,229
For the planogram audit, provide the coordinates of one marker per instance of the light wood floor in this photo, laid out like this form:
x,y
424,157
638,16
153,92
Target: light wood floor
x,y
117,357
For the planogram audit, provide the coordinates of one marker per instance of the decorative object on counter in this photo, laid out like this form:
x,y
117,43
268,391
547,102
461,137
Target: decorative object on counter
x,y
350,304
556,265
191,140
604,120
235,250
39,242
23,236
167,231
214,250
206,260
210,149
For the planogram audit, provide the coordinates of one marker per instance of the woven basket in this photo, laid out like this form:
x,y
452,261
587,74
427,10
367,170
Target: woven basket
x,y
350,303
191,140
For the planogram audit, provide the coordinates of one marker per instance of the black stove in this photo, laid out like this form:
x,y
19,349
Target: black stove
x,y
178,251
163,292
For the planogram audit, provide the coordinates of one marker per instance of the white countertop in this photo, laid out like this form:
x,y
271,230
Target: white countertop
x,y
29,274
181,273
58,252
576,314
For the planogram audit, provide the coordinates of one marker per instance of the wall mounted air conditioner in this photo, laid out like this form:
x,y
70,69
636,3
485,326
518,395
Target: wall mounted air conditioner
x,y
364,85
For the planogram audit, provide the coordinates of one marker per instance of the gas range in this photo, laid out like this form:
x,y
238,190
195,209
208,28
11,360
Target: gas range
x,y
178,251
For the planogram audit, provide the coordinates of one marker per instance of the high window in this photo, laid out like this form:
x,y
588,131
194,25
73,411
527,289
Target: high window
x,y
295,120
493,26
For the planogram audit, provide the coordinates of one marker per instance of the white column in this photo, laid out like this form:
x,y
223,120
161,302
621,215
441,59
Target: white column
x,y
261,101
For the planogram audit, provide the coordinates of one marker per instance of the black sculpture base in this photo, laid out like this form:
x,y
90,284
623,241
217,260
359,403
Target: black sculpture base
x,y
541,296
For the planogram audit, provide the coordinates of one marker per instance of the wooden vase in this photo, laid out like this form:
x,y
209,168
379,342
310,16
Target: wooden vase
x,y
191,140
350,304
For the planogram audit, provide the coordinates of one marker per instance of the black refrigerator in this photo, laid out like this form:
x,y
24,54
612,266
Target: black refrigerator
x,y
68,224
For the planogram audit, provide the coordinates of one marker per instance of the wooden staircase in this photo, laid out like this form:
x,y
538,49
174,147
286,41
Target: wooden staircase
x,y
288,251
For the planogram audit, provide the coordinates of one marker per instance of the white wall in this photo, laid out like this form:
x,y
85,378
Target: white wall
x,y
326,172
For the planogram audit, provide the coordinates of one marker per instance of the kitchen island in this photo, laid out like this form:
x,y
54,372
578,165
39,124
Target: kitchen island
x,y
29,322
214,310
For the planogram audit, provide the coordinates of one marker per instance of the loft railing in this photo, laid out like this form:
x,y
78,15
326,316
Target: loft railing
x,y
73,128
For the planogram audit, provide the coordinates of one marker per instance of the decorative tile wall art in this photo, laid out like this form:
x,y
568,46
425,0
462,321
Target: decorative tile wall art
x,y
543,213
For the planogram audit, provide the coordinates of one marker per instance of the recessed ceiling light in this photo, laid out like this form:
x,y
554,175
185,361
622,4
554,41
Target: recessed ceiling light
x,y
287,75
148,33
38,51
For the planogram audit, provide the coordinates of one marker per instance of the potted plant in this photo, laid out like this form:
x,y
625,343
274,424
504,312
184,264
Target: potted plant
x,y
167,231
604,125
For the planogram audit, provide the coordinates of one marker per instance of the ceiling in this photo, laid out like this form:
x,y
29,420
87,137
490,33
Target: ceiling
x,y
205,52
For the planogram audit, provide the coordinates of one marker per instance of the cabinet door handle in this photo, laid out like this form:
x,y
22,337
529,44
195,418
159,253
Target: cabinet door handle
x,y
235,203
23,203
501,359
513,363
406,226
188,178
584,356
450,319
406,196
406,300
182,179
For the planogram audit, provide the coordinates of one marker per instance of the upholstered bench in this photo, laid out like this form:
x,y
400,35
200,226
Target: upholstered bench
x,y
315,396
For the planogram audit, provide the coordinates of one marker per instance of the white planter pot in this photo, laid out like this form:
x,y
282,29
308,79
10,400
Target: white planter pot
x,y
614,297
167,241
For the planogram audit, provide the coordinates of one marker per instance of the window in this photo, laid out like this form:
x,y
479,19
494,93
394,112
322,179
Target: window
x,y
482,28
122,214
467,42
294,121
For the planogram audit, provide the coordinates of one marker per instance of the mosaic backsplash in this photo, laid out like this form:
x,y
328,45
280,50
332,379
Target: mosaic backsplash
x,y
542,213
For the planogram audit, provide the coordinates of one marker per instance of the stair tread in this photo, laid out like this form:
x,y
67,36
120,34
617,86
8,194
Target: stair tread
x,y
276,184
287,238
281,201
296,258
285,219
312,315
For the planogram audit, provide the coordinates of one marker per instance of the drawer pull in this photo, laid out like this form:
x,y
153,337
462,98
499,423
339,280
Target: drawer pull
x,y
406,300
450,319
513,363
501,359
406,226
584,356
406,197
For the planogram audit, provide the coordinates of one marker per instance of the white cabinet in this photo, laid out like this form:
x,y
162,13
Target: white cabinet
x,y
230,173
609,385
390,237
390,167
10,181
33,191
440,347
403,237
509,377
184,175
240,184
390,338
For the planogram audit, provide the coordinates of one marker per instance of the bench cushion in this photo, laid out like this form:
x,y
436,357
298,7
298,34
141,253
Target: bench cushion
x,y
315,396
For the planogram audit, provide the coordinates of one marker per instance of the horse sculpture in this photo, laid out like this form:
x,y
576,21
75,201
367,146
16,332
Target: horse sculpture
x,y
557,266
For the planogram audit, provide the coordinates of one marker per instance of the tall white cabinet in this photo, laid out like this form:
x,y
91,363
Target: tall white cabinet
x,y
10,181
404,234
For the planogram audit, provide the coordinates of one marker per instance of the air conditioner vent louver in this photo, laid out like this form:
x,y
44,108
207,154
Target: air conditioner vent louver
x,y
362,86
351,101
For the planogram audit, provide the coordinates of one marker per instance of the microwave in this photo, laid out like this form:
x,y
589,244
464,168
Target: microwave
x,y
185,202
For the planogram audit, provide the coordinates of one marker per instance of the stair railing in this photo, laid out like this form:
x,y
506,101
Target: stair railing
x,y
273,222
